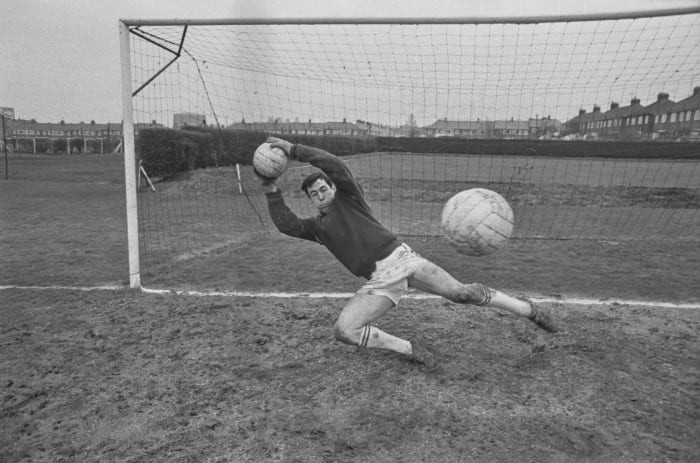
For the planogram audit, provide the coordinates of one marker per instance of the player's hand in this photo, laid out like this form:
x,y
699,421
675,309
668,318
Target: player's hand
x,y
284,145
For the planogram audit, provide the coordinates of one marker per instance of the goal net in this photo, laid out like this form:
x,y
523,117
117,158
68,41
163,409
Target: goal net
x,y
588,126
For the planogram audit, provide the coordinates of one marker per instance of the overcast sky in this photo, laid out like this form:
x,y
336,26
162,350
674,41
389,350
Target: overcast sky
x,y
59,59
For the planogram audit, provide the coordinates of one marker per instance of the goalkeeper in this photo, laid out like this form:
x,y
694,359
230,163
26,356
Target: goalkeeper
x,y
346,226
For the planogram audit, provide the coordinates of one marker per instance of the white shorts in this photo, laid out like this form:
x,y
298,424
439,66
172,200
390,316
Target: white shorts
x,y
390,278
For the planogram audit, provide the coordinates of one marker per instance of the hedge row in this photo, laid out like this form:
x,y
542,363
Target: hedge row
x,y
168,152
579,148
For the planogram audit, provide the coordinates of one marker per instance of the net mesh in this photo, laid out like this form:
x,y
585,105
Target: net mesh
x,y
412,84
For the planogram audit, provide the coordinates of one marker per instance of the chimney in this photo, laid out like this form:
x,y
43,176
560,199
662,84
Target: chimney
x,y
581,112
596,108
614,105
635,101
662,96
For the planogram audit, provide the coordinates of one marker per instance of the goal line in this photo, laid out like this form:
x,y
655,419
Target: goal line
x,y
344,295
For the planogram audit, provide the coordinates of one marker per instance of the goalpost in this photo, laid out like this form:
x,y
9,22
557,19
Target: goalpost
x,y
589,125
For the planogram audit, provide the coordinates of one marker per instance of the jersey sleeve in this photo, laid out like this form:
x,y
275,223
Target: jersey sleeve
x,y
286,221
332,166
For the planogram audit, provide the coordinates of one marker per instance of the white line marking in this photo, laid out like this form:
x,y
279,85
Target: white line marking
x,y
331,295
67,288
583,301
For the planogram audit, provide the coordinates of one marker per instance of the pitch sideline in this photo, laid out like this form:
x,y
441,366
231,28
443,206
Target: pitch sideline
x,y
337,295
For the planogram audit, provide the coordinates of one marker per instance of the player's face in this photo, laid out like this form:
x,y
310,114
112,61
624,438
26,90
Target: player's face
x,y
321,195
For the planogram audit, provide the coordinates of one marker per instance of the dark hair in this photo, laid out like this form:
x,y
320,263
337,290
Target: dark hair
x,y
311,178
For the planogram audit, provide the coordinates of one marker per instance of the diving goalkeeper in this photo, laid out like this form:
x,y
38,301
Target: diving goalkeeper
x,y
346,226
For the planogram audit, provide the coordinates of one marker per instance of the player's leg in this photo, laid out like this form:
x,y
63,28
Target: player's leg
x,y
431,278
354,324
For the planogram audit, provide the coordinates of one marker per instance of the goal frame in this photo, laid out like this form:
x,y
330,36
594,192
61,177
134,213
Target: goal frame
x,y
131,172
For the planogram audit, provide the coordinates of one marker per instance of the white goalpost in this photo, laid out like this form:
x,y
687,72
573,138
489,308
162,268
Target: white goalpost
x,y
129,158
588,125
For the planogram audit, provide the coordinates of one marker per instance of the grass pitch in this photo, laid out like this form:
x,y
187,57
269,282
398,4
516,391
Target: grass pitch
x,y
126,376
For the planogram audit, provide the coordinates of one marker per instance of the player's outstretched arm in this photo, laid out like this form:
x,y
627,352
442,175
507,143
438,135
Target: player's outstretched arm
x,y
329,163
284,219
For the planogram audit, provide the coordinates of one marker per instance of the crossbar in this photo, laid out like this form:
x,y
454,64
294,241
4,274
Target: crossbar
x,y
417,20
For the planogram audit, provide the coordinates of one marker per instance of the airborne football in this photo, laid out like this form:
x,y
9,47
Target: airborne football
x,y
477,221
270,162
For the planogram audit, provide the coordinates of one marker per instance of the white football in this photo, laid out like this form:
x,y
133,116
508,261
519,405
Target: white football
x,y
477,222
270,162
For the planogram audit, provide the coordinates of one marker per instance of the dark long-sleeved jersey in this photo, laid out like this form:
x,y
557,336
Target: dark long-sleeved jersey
x,y
348,229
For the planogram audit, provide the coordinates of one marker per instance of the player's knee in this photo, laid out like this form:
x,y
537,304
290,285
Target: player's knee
x,y
345,333
474,293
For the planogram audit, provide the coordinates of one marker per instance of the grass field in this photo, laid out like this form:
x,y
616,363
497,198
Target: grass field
x,y
120,375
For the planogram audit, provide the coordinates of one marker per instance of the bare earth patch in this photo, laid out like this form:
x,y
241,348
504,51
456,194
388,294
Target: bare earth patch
x,y
126,376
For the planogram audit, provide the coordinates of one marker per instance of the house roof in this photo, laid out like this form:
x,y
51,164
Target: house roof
x,y
542,123
337,125
273,126
34,125
511,125
692,102
593,116
662,105
575,119
444,124
633,109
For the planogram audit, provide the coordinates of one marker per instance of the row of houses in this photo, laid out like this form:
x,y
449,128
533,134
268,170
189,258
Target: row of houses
x,y
359,128
41,137
663,119
62,137
30,136
503,129
506,129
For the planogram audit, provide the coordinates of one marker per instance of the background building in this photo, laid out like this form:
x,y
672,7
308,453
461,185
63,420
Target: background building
x,y
181,120
663,119
30,136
